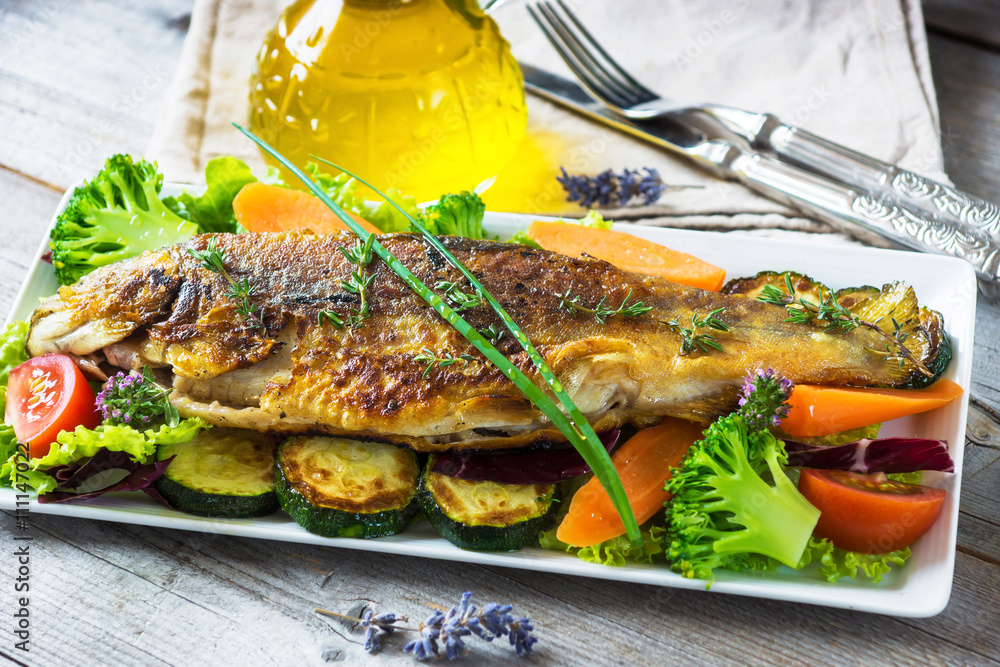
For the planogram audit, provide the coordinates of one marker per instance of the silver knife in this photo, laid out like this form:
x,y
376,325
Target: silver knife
x,y
716,148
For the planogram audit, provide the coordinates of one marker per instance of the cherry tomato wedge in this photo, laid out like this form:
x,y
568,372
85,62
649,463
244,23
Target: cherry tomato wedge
x,y
47,395
869,513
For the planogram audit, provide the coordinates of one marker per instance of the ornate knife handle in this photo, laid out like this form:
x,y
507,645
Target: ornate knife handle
x,y
847,207
866,173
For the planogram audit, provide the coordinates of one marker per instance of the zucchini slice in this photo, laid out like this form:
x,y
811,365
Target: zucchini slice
x,y
220,473
753,287
338,487
485,516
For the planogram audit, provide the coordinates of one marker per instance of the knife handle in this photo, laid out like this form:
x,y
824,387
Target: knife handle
x,y
861,171
845,207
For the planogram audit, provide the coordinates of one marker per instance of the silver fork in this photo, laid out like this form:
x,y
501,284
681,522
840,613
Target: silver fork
x,y
610,85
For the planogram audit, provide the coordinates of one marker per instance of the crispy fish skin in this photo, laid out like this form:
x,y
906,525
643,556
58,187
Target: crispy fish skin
x,y
296,375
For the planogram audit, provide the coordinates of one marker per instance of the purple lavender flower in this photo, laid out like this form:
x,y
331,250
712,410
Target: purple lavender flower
x,y
462,620
611,189
425,645
520,636
375,625
764,399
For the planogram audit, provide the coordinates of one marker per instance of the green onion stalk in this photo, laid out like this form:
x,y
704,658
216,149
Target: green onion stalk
x,y
574,426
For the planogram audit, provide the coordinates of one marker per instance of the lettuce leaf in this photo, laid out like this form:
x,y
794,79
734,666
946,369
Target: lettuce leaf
x,y
213,211
907,477
614,552
835,563
12,354
835,439
592,219
343,190
74,446
523,238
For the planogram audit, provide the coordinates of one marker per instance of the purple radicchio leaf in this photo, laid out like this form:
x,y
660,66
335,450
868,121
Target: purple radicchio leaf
x,y
105,472
888,455
548,466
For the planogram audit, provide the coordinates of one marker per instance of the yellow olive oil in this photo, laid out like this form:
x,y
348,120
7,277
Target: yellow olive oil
x,y
423,96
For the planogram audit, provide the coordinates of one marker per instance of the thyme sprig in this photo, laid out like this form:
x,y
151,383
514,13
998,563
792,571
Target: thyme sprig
x,y
330,316
691,340
836,317
492,333
213,259
572,423
432,360
459,300
136,400
601,312
360,281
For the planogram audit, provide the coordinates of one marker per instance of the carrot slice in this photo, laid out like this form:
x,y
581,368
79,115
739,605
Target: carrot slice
x,y
643,464
819,411
261,207
627,252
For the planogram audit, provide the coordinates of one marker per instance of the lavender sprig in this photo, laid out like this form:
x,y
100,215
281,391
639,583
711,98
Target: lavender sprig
x,y
449,628
764,399
136,400
615,189
376,625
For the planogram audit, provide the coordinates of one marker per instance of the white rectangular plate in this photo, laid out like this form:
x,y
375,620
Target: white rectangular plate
x,y
920,589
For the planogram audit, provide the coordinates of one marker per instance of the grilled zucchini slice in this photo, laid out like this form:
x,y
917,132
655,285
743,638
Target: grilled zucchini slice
x,y
220,473
753,287
338,487
485,516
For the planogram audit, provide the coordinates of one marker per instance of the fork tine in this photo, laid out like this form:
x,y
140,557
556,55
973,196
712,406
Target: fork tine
x,y
601,83
593,85
596,46
586,57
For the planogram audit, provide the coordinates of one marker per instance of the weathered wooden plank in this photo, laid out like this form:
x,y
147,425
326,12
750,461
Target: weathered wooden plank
x,y
967,80
187,598
26,207
970,20
978,537
82,81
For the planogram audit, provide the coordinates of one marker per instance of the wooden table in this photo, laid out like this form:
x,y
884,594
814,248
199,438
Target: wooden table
x,y
82,80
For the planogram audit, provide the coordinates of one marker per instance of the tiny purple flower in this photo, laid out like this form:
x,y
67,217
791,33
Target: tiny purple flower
x,y
133,399
764,399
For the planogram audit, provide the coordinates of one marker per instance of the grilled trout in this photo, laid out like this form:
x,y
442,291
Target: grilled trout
x,y
285,371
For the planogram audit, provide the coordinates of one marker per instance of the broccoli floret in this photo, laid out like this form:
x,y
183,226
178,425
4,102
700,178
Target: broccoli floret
x,y
456,215
116,215
723,510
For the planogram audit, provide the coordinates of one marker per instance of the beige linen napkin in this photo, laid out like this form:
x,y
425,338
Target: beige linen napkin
x,y
854,71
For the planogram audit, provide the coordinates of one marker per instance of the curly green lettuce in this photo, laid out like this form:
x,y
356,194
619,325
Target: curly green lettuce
x,y
835,563
615,552
343,190
12,354
75,446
